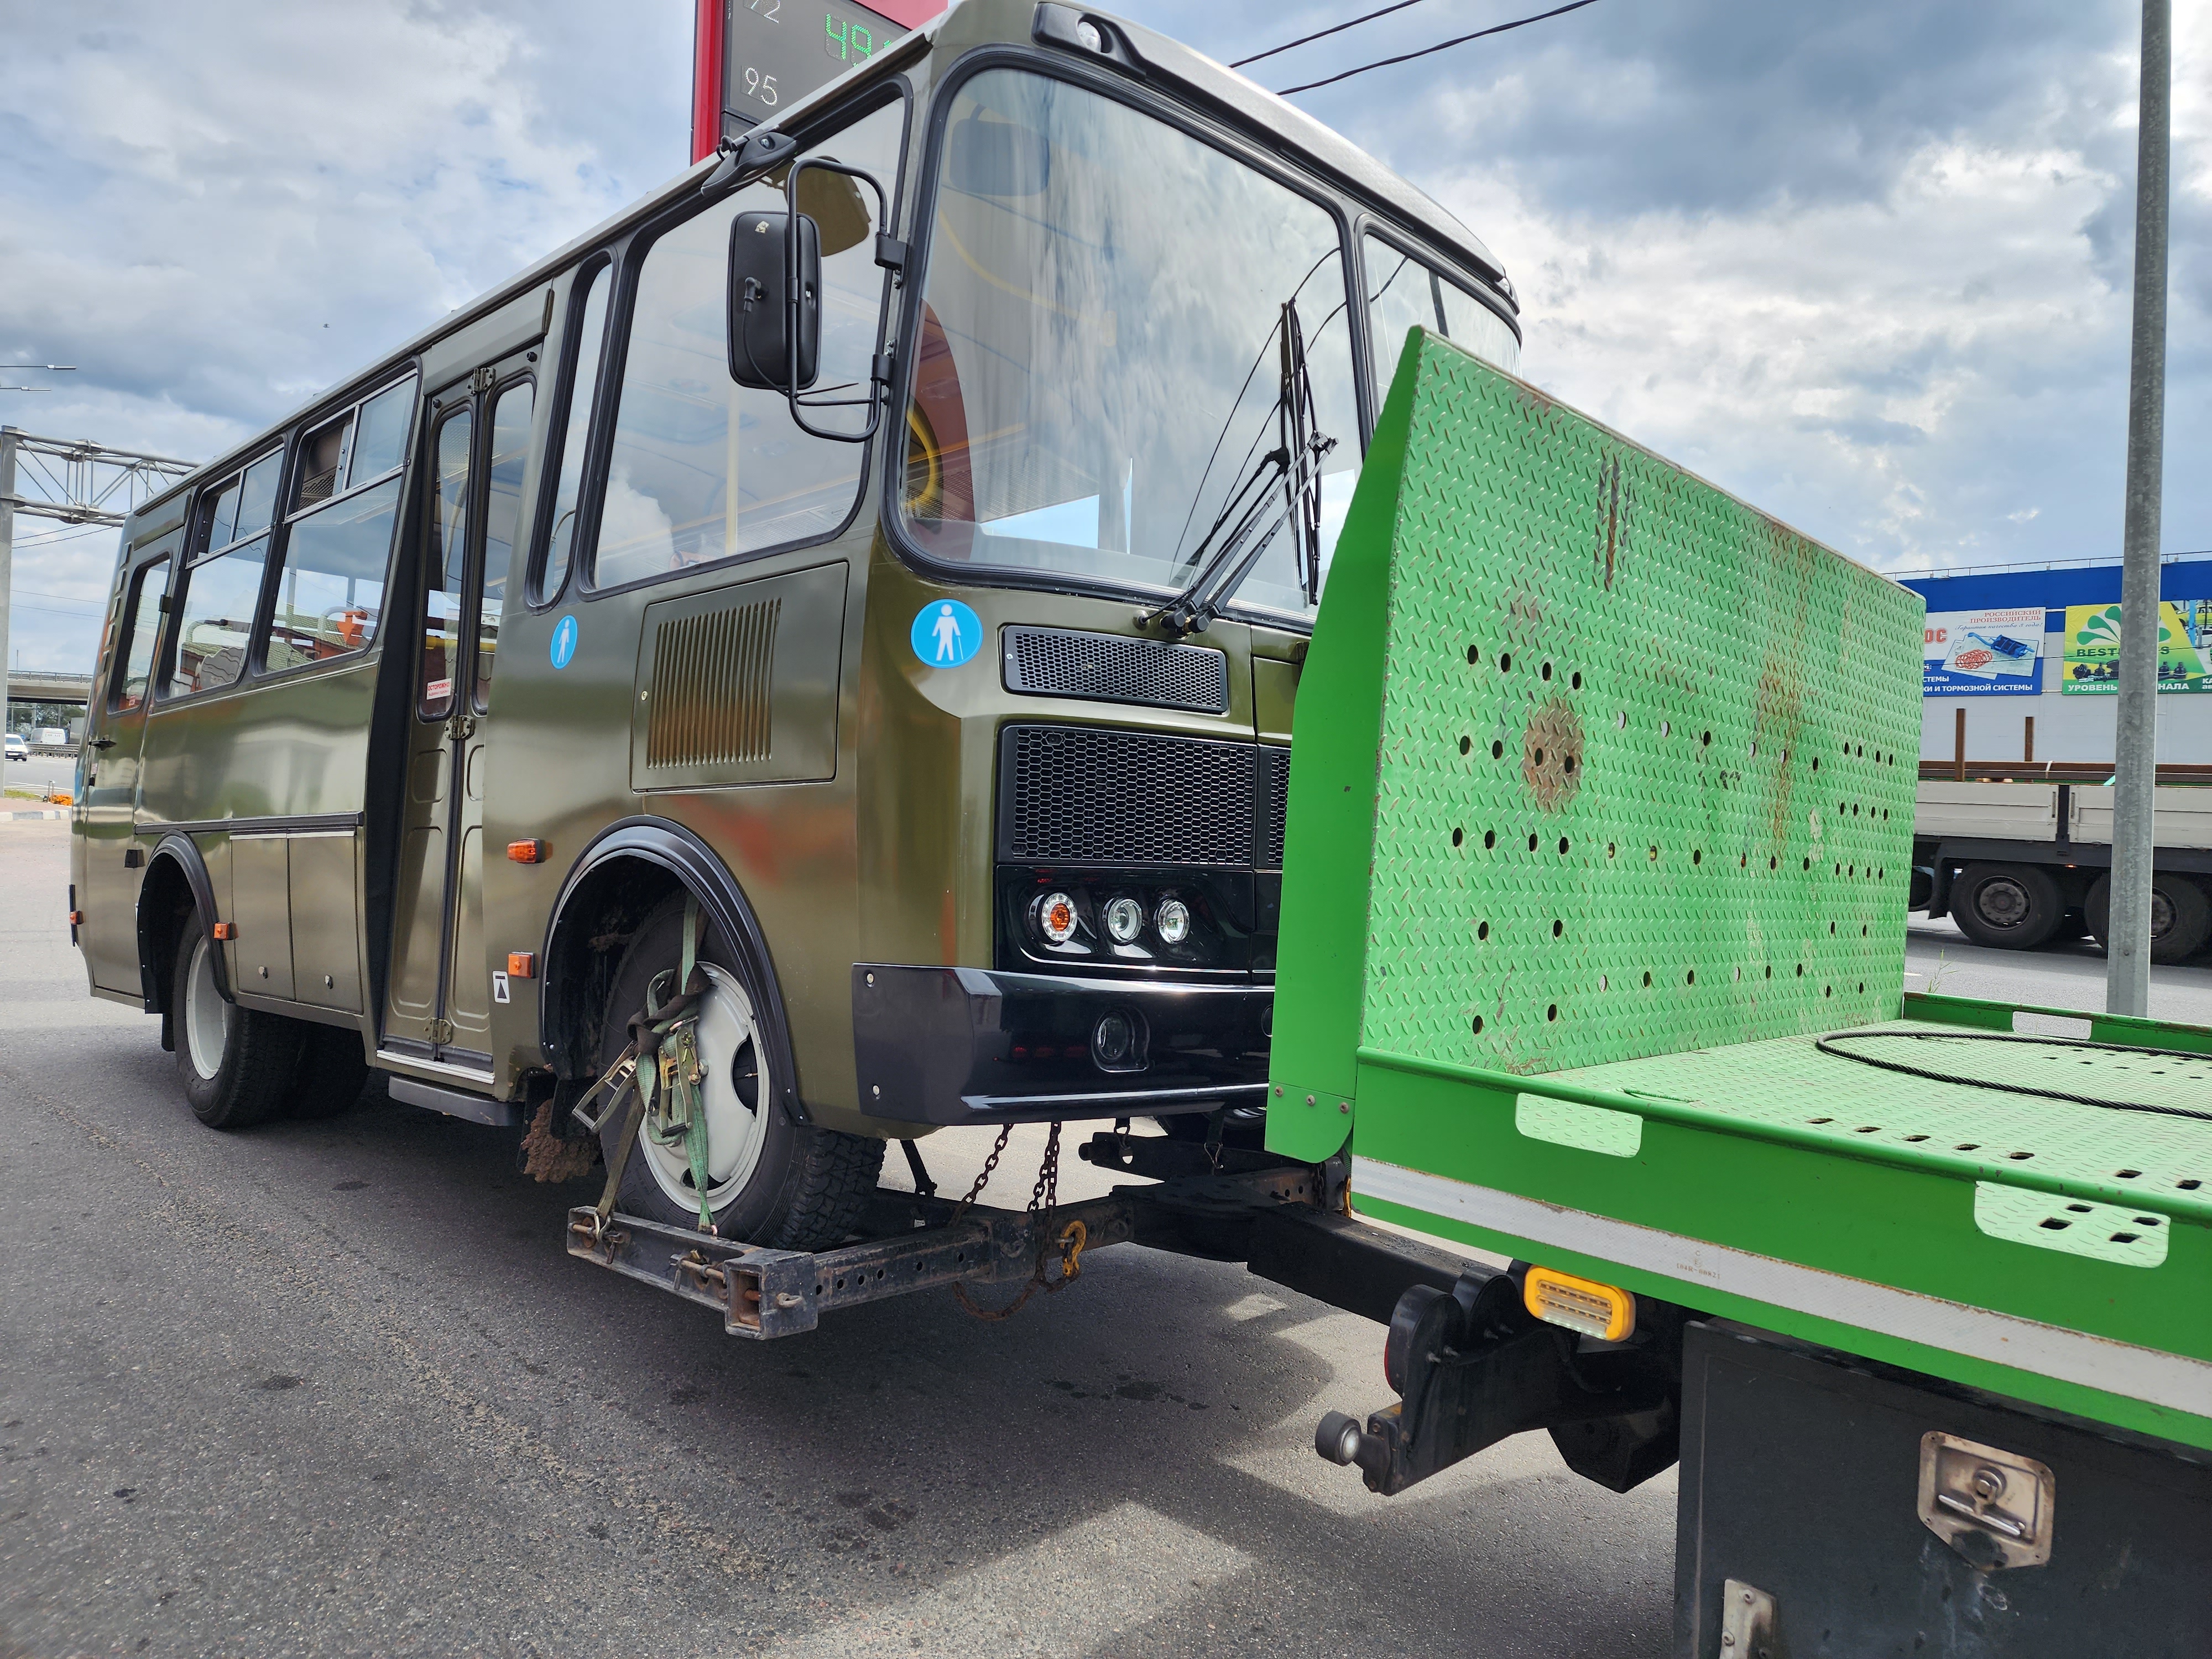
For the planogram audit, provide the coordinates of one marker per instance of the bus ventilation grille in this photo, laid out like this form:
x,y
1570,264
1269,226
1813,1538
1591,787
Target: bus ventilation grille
x,y
1062,662
711,674
1078,795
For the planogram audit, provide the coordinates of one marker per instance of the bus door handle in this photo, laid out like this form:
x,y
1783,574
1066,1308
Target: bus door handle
x,y
460,727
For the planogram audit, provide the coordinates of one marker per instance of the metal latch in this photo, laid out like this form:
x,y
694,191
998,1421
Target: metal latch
x,y
1996,1508
461,725
1747,1621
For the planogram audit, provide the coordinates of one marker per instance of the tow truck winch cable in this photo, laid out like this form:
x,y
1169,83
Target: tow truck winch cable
x,y
1827,1046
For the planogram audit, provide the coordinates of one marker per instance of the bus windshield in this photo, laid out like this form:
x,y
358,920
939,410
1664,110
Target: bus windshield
x,y
1099,365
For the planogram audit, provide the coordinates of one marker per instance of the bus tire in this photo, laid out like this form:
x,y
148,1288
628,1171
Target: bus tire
x,y
772,1183
329,1077
2180,916
237,1063
2008,906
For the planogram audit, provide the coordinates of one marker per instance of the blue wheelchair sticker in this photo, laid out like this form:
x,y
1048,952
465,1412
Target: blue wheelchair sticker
x,y
947,634
564,642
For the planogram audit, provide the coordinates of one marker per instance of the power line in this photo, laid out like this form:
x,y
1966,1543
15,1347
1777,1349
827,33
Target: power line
x,y
1318,34
1441,45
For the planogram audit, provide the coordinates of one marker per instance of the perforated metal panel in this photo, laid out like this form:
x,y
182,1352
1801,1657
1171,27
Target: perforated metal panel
x,y
1066,662
1275,781
1081,795
1646,757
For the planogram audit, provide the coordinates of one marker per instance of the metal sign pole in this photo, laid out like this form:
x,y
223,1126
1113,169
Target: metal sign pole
x,y
8,436
2134,755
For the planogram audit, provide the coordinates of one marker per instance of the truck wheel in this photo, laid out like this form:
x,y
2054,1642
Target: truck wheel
x,y
772,1183
331,1070
2011,907
2180,917
237,1063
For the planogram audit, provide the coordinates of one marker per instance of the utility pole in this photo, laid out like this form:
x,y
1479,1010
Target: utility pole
x,y
2134,755
75,480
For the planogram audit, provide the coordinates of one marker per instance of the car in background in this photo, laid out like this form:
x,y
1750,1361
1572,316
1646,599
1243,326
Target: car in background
x,y
17,749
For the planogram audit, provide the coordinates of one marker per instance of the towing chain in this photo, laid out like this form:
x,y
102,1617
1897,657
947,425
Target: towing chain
x,y
1044,1198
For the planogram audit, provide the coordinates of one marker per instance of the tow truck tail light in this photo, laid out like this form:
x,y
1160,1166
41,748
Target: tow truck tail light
x,y
1580,1304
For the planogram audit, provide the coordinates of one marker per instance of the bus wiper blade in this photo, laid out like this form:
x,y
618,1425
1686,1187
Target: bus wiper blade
x,y
1195,605
1296,462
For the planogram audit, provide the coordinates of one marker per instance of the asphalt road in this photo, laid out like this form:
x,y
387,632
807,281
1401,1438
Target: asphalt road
x,y
40,772
335,1388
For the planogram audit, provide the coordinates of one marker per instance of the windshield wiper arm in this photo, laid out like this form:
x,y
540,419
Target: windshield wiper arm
x,y
1296,463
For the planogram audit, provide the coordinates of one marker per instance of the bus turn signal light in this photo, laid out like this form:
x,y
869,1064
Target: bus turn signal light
x,y
527,851
226,930
1580,1304
522,964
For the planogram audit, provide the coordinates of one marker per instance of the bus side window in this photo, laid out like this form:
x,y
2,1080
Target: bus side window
x,y
583,369
444,568
510,460
134,651
699,468
221,586
330,584
1400,295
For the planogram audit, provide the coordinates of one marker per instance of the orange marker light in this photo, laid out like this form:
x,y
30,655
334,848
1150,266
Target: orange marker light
x,y
77,919
226,930
527,851
522,964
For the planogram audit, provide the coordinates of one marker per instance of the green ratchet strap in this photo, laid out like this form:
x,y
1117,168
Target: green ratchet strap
x,y
657,1077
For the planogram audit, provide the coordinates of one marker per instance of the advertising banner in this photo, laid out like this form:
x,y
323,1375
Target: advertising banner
x,y
1983,654
2091,663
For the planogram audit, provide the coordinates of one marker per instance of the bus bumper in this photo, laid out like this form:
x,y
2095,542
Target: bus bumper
x,y
944,1046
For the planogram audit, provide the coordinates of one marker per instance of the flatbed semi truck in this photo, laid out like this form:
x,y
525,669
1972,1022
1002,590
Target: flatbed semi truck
x,y
844,776
2017,862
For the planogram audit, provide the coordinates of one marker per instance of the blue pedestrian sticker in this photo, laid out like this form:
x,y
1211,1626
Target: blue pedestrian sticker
x,y
564,642
947,634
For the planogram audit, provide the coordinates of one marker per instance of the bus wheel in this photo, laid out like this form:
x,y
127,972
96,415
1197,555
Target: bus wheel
x,y
332,1069
237,1063
2180,917
772,1182
2012,907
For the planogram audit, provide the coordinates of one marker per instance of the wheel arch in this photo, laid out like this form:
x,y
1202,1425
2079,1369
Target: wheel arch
x,y
626,870
175,874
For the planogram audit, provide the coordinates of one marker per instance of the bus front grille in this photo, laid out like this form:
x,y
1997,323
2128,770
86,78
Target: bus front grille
x,y
1077,794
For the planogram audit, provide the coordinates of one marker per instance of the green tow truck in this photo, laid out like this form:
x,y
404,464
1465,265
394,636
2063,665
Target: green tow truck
x,y
1599,835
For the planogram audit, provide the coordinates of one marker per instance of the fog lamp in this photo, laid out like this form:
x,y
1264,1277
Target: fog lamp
x,y
1125,919
1117,1041
1173,922
1055,917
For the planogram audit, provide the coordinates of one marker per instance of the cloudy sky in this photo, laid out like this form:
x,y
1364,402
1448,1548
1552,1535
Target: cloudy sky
x,y
1867,265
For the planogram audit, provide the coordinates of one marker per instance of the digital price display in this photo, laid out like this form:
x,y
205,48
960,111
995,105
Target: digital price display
x,y
779,50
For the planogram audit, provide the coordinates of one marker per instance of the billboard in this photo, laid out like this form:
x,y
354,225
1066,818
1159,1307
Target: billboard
x,y
1983,654
752,59
2091,665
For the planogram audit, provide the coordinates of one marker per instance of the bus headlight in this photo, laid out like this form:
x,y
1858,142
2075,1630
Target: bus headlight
x,y
1172,921
1125,919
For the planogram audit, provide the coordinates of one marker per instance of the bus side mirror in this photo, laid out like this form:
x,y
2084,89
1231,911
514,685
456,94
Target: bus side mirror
x,y
765,352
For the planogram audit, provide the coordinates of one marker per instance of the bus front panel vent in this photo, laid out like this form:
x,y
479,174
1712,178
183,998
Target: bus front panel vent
x,y
1066,662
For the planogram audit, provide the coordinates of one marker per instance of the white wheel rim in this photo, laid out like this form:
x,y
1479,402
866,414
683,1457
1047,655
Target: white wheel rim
x,y
728,1034
207,1015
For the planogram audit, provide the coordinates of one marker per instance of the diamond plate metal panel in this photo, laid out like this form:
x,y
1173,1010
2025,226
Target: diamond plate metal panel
x,y
1647,756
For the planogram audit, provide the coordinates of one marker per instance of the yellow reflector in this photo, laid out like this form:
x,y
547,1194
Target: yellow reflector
x,y
1580,1304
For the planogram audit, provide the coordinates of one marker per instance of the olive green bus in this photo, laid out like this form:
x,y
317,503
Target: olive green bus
x,y
894,541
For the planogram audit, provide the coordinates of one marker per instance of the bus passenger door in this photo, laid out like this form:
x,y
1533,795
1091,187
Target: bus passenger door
x,y
111,858
439,995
